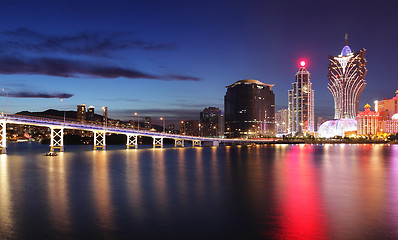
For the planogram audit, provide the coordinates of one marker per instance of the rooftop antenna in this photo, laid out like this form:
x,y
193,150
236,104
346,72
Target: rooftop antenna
x,y
346,39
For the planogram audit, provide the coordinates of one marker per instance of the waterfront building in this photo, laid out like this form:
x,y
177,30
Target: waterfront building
x,y
282,120
346,77
90,113
387,107
210,121
368,122
105,114
81,113
249,109
148,123
301,103
190,127
390,126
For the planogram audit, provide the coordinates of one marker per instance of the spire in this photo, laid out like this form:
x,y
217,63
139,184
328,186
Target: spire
x,y
346,39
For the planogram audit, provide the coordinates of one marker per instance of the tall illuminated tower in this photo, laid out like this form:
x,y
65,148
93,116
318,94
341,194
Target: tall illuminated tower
x,y
301,103
346,77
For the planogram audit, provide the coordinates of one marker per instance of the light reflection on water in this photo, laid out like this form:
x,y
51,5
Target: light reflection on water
x,y
273,191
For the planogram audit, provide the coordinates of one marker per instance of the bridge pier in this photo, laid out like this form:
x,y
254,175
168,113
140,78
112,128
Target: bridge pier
x,y
196,143
157,142
57,139
99,140
179,143
3,136
132,141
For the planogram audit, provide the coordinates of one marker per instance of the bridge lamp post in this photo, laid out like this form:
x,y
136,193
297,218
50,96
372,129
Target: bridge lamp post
x,y
136,114
163,123
105,114
64,109
6,101
182,122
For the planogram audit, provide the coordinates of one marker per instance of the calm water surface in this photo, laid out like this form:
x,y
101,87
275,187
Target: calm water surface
x,y
262,192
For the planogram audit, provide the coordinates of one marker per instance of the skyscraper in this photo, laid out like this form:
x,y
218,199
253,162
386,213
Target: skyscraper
x,y
301,103
210,120
249,109
81,113
90,113
282,120
346,77
148,123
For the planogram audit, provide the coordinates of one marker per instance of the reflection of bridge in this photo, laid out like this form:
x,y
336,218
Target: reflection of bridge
x,y
57,132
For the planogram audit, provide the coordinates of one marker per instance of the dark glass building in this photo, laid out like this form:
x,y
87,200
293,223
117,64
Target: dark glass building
x,y
249,109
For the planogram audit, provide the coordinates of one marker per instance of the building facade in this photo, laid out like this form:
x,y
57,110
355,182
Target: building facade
x,y
105,114
387,107
90,113
148,123
249,109
346,77
301,104
282,120
81,113
368,122
190,127
210,122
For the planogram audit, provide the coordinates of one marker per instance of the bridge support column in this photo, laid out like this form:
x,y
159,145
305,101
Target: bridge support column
x,y
158,142
57,139
3,136
132,141
196,143
179,143
99,140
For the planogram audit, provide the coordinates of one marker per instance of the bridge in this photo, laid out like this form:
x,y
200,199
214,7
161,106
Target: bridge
x,y
57,134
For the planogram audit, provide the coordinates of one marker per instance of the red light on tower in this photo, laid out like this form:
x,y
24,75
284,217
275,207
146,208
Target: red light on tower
x,y
302,63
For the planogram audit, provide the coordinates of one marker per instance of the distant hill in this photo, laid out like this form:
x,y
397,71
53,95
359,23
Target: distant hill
x,y
52,113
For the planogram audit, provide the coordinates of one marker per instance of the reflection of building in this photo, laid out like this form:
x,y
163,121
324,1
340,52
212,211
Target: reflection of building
x,y
346,81
387,107
90,113
301,103
148,123
210,121
282,119
368,122
81,113
249,109
190,127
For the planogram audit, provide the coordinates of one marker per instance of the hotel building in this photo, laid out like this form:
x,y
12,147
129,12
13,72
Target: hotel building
x,y
368,122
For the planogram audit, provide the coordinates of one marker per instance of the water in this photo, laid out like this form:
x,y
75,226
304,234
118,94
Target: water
x,y
261,192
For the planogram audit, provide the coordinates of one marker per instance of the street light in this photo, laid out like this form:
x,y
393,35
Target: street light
x,y
163,123
6,101
136,114
182,122
105,115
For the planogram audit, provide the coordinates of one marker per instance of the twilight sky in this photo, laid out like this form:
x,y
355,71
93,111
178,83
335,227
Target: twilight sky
x,y
174,58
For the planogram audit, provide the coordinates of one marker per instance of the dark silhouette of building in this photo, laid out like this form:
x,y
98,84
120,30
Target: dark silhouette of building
x,y
105,114
148,123
249,109
210,122
170,129
81,113
90,114
190,127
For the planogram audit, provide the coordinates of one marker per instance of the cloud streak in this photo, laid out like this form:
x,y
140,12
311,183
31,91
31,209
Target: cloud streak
x,y
73,68
83,43
26,94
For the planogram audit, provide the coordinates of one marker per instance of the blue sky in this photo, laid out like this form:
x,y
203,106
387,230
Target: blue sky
x,y
174,58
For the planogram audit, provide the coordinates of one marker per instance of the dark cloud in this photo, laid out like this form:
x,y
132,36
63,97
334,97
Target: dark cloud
x,y
71,68
172,114
26,94
84,43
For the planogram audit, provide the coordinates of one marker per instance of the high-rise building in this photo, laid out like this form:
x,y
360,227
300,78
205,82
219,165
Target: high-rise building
x,y
346,77
210,121
90,113
249,109
190,127
282,120
301,103
368,122
105,114
148,123
81,113
387,107
170,129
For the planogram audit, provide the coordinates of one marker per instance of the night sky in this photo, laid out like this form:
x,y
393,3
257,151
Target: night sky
x,y
174,58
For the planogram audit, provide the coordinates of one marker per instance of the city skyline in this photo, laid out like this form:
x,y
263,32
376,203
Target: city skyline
x,y
174,59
